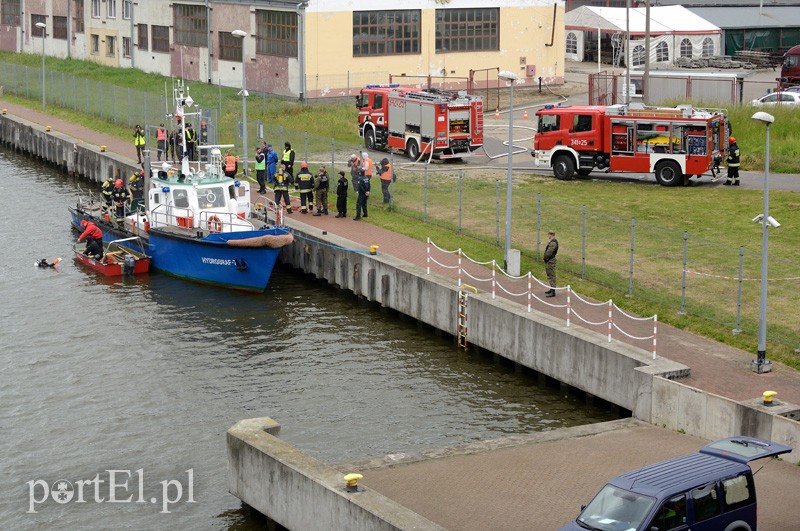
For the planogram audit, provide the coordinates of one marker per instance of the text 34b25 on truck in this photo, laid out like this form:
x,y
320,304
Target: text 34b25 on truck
x,y
433,123
674,143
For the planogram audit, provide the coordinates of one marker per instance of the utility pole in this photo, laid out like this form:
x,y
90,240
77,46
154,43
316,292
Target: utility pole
x,y
646,76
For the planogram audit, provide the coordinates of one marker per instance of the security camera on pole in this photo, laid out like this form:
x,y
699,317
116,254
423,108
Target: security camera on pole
x,y
760,364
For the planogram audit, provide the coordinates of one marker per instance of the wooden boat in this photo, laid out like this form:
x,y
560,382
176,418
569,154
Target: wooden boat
x,y
116,261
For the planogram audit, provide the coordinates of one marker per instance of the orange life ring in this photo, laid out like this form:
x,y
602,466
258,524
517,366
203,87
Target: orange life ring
x,y
214,224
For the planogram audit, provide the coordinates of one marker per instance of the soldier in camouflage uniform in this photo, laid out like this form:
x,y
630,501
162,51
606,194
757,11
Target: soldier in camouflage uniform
x,y
549,257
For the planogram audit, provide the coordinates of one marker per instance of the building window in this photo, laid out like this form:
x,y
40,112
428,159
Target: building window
x,y
126,46
686,48
191,25
708,47
10,12
38,32
142,30
111,46
276,33
467,30
572,43
386,32
79,26
95,44
638,55
159,38
662,52
96,8
230,47
127,9
60,28
111,8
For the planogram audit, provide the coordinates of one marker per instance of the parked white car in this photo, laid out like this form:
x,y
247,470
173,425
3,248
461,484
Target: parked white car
x,y
778,98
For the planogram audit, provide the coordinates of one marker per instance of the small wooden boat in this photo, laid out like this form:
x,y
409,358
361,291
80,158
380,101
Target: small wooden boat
x,y
116,261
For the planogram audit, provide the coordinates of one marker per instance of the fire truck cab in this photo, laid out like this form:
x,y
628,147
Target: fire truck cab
x,y
790,69
674,143
437,123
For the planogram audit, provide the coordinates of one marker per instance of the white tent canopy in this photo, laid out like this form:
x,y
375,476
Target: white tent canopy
x,y
664,20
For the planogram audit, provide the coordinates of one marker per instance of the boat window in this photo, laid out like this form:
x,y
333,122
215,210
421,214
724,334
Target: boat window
x,y
211,197
181,198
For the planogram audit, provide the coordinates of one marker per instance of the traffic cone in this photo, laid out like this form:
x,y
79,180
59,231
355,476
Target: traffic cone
x,y
525,115
497,112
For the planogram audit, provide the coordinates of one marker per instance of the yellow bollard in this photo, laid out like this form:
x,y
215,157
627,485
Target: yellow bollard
x,y
351,481
373,249
102,148
5,111
47,128
768,396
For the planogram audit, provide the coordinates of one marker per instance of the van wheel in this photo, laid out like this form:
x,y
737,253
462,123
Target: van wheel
x,y
668,173
412,150
564,168
369,139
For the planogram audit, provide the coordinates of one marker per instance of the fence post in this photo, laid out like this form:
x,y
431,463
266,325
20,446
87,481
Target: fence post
x,y
630,268
114,106
281,137
460,197
655,333
391,183
497,213
425,195
305,138
738,328
459,267
530,293
333,157
100,93
569,303
87,96
63,90
428,259
538,224
610,317
583,242
75,93
26,82
683,279
494,278
348,82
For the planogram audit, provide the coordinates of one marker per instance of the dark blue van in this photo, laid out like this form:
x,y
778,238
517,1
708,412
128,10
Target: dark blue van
x,y
711,490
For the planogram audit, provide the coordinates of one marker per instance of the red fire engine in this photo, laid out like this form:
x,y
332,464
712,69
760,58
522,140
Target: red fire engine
x,y
439,123
675,143
790,70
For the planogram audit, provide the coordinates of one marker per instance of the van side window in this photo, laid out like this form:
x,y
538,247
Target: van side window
x,y
706,502
737,492
671,515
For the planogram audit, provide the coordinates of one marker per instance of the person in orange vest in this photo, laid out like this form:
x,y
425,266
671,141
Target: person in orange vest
x,y
94,239
231,165
387,176
161,137
367,165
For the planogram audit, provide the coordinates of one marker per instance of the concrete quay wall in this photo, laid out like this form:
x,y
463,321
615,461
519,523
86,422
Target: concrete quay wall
x,y
298,492
71,155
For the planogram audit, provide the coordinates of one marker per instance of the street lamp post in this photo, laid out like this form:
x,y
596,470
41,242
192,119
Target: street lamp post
x,y
242,34
761,365
511,77
42,26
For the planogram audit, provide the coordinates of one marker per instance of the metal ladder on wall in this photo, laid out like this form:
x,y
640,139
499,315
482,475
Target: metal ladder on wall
x,y
462,326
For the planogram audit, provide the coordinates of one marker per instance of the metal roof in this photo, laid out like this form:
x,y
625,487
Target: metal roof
x,y
750,17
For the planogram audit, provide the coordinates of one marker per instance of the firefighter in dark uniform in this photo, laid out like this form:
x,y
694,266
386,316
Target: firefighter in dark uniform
x,y
363,194
120,195
136,184
549,257
107,189
281,189
341,195
305,183
321,182
288,159
733,163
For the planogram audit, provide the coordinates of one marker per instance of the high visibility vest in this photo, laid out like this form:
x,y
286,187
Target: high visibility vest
x,y
161,134
138,139
261,165
287,155
387,175
230,163
366,165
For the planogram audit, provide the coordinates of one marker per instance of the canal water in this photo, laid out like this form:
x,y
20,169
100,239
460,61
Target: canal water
x,y
142,377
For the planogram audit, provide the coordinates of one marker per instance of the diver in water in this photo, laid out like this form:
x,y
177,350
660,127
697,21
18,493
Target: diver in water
x,y
44,263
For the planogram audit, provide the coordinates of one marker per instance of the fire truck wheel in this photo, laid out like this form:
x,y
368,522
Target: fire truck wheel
x,y
668,173
564,168
369,139
583,172
412,150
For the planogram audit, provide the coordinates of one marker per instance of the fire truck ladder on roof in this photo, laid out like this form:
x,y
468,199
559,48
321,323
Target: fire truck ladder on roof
x,y
462,326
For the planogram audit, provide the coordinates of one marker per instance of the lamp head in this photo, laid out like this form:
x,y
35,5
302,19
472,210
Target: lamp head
x,y
507,75
41,25
764,117
239,33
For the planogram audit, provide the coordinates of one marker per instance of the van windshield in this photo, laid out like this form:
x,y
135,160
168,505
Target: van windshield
x,y
615,509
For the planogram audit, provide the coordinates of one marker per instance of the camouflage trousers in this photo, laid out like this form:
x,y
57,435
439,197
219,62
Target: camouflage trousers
x,y
550,269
